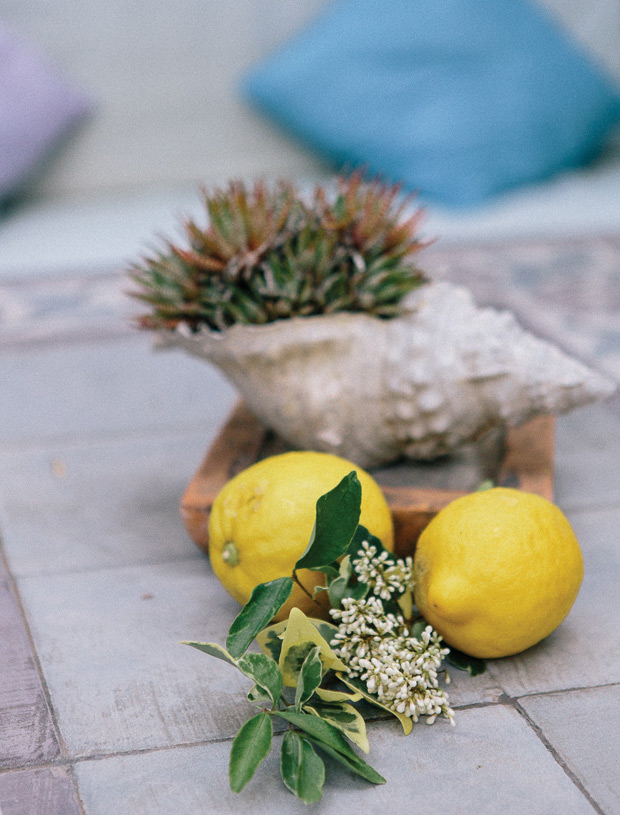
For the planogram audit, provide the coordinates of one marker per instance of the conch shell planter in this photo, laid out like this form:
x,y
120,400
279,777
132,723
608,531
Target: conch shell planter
x,y
418,385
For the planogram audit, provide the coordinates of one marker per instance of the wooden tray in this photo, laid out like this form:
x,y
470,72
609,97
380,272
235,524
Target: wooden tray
x,y
523,459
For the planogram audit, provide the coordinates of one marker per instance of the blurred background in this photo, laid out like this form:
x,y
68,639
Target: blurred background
x,y
162,82
162,79
113,113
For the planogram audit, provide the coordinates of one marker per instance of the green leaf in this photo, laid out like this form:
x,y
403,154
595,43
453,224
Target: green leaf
x,y
250,746
329,571
213,649
337,517
266,600
259,696
302,770
473,665
488,484
345,568
352,762
344,717
360,686
330,739
336,591
361,535
417,628
309,677
317,728
358,592
265,672
325,629
270,641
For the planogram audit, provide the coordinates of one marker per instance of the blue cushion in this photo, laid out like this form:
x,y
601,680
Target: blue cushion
x,y
457,99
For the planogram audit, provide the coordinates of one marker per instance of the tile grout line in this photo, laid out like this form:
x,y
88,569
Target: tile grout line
x,y
507,699
76,788
64,753
35,657
556,756
67,761
563,690
70,762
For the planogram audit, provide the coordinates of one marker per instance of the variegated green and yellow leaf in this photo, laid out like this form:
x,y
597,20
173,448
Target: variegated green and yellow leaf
x,y
269,640
359,686
300,636
344,717
332,696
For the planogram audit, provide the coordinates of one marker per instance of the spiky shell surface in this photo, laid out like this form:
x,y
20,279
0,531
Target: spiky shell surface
x,y
419,385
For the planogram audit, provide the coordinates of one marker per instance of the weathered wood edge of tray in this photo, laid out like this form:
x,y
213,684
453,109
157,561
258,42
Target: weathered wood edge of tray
x,y
527,465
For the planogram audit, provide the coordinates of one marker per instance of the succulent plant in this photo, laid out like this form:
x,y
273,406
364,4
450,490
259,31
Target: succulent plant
x,y
268,253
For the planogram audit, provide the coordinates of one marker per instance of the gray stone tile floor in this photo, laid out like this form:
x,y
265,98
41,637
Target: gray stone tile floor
x,y
103,711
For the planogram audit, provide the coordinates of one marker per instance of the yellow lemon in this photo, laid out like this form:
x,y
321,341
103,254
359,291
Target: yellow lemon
x,y
497,571
262,520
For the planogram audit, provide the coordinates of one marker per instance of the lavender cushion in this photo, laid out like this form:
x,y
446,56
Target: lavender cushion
x,y
38,108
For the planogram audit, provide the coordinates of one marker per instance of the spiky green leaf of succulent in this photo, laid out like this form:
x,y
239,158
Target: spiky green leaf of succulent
x,y
268,253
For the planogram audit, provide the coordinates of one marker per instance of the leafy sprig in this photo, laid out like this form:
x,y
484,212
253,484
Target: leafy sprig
x,y
298,675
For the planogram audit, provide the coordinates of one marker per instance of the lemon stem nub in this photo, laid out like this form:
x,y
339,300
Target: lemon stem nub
x,y
230,554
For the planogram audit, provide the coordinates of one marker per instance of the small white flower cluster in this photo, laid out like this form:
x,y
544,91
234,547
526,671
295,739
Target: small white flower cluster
x,y
399,669
384,575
